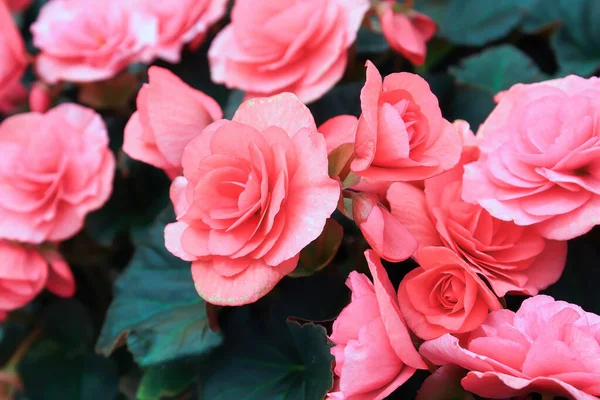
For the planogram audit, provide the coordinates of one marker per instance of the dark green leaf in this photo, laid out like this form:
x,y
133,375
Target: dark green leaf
x,y
370,42
577,39
167,380
497,69
260,362
61,363
156,309
471,104
474,22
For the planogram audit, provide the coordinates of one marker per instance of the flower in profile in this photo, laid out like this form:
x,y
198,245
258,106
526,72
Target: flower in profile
x,y
170,114
406,30
401,134
13,62
373,351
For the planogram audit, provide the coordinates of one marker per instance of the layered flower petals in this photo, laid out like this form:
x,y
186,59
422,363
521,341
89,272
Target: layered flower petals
x,y
25,272
13,62
90,41
297,47
170,114
407,33
255,192
401,135
47,190
538,164
177,26
373,350
547,346
443,295
511,258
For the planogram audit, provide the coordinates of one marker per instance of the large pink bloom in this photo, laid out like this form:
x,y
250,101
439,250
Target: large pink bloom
x,y
24,272
547,346
286,45
401,134
374,353
540,160
13,61
179,23
407,32
512,258
89,40
255,192
169,115
55,168
444,295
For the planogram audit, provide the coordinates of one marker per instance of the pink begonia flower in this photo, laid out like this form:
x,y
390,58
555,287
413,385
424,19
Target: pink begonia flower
x,y
540,158
374,353
444,295
512,258
390,239
90,40
40,98
170,114
401,134
17,5
254,192
13,62
338,131
286,45
548,346
55,168
181,23
25,272
406,32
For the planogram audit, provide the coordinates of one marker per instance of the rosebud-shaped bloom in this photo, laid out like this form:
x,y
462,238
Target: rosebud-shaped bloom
x,y
286,45
540,158
24,272
401,134
89,40
179,23
55,168
170,113
407,32
444,295
512,258
13,61
17,5
373,351
548,346
255,192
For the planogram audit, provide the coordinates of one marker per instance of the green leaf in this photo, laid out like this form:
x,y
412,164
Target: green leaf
x,y
474,22
139,194
61,363
370,42
497,69
167,380
260,362
156,309
577,39
320,252
471,104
